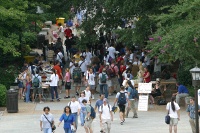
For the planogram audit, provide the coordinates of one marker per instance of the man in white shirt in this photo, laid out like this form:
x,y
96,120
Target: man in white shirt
x,y
87,56
83,65
59,56
106,116
111,51
125,81
75,109
61,32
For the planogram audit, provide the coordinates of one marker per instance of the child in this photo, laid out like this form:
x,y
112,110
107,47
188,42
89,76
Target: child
x,y
87,93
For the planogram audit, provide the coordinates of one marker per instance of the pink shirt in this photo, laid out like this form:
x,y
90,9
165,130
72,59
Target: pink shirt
x,y
67,77
115,67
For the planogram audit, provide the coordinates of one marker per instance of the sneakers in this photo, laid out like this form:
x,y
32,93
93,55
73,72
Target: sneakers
x,y
121,122
58,100
93,97
77,93
135,116
51,101
41,102
66,97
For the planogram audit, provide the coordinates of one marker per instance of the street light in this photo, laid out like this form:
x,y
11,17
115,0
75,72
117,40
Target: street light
x,y
196,83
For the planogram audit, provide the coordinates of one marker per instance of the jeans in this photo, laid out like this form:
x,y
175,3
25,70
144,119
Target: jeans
x,y
68,130
47,130
82,115
28,88
54,88
76,119
104,88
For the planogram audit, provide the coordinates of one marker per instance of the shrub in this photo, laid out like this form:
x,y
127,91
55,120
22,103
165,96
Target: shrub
x,y
2,95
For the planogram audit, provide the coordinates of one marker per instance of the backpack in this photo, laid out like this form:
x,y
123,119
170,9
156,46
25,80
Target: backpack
x,y
122,99
112,72
103,78
36,82
93,113
134,93
77,75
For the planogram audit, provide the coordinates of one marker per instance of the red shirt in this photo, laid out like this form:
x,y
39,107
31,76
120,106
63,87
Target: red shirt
x,y
100,69
148,79
58,71
119,59
122,68
68,32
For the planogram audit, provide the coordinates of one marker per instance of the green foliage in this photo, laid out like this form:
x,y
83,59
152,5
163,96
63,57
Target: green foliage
x,y
191,90
29,38
8,75
2,95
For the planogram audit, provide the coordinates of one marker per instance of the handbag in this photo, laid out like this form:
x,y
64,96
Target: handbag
x,y
167,117
53,127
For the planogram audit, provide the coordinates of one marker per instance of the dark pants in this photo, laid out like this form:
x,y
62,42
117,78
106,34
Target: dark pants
x,y
54,89
104,89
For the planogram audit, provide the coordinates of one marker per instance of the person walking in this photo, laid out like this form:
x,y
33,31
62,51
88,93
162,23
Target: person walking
x,y
121,99
133,96
28,87
106,116
68,118
36,83
91,81
59,72
102,83
88,119
75,109
191,114
174,113
54,79
83,108
46,121
67,83
77,77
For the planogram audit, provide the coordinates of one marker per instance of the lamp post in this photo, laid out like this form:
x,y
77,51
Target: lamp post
x,y
38,11
196,83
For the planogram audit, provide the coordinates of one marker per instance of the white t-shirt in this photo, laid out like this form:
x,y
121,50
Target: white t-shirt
x,y
75,106
111,52
88,56
173,114
54,80
90,79
45,123
147,61
105,110
61,29
125,81
87,94
131,57
71,65
59,57
83,65
136,63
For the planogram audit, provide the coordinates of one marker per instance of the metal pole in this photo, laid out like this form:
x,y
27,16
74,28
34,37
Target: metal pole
x,y
196,110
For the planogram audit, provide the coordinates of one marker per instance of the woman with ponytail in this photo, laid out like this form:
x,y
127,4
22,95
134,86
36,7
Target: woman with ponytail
x,y
173,111
54,84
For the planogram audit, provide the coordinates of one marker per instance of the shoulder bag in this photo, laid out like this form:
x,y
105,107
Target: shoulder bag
x,y
53,127
167,117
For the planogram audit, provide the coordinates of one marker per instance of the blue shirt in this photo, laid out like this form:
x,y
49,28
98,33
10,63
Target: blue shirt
x,y
99,103
129,90
68,120
182,89
191,110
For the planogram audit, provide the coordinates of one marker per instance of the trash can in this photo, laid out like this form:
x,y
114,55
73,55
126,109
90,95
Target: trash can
x,y
12,101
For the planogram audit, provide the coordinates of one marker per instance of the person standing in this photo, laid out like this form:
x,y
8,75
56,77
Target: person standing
x,y
46,121
111,51
36,83
68,120
146,76
174,113
77,78
75,109
106,116
91,81
121,99
83,108
191,114
61,31
88,119
67,83
182,92
28,86
59,72
102,83
53,85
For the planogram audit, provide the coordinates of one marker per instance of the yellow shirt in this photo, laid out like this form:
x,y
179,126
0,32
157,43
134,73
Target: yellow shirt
x,y
77,58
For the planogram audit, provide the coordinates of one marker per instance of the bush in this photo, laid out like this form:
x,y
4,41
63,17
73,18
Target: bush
x,y
191,90
2,95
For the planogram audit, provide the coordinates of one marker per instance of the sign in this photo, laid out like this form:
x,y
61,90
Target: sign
x,y
143,103
144,87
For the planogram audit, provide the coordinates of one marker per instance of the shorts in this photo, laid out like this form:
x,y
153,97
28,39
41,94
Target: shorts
x,y
114,81
60,82
20,85
39,90
109,83
173,121
67,85
122,108
92,87
77,84
88,123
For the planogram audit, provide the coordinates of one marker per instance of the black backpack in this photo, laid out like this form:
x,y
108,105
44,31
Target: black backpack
x,y
122,98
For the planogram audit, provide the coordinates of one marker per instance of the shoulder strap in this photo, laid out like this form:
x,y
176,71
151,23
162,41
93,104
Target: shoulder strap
x,y
81,63
47,119
69,104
